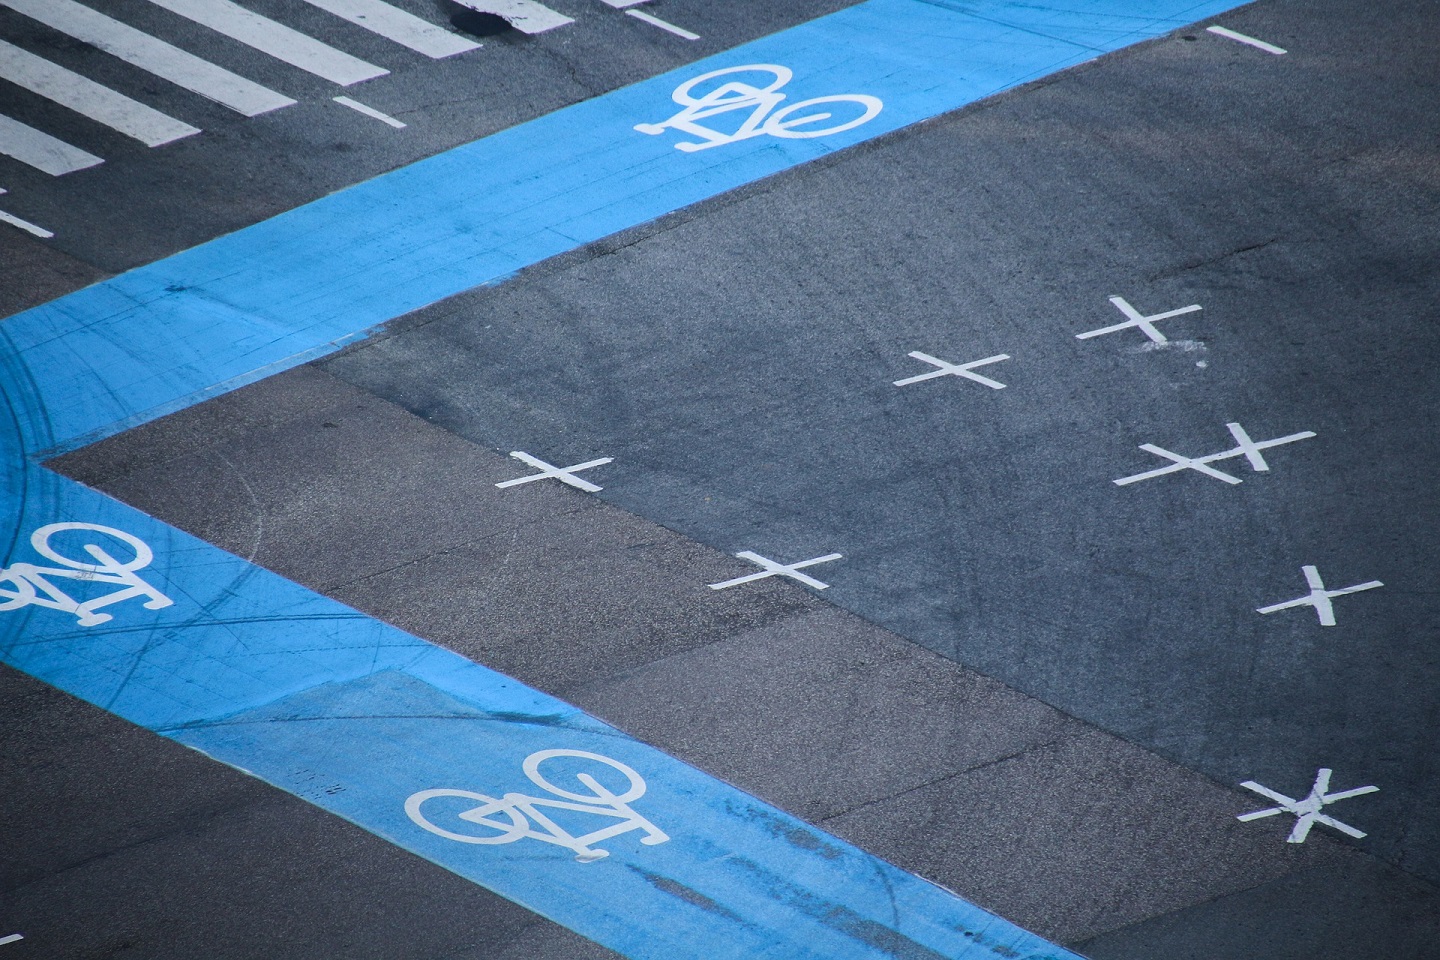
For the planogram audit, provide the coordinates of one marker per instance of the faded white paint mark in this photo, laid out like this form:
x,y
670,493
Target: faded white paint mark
x,y
153,55
359,107
275,39
42,151
25,225
663,25
395,24
1242,38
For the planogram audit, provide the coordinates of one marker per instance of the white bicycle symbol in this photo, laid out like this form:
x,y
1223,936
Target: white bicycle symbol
x,y
510,816
26,584
792,122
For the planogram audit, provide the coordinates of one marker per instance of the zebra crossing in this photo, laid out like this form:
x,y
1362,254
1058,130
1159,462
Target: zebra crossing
x,y
405,29
45,151
279,41
90,99
152,55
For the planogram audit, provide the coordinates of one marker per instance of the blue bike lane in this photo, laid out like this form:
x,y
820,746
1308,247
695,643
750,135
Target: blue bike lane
x,y
257,672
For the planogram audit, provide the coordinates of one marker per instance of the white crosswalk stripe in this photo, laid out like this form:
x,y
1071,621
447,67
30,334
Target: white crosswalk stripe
x,y
88,98
152,55
42,151
404,28
275,39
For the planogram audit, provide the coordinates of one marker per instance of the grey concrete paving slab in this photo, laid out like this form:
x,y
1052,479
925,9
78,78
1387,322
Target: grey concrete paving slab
x,y
354,497
1079,837
555,620
1311,912
119,843
822,712
267,405
335,451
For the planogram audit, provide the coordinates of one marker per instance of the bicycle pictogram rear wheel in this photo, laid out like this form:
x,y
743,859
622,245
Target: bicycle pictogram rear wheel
x,y
770,77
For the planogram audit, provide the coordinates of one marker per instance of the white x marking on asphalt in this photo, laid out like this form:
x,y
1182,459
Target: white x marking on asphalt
x,y
773,569
1308,810
565,475
1248,448
1145,324
1319,597
955,370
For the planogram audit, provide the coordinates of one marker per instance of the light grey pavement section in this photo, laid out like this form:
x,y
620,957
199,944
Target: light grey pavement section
x,y
1058,827
916,758
1335,912
1082,836
358,499
823,713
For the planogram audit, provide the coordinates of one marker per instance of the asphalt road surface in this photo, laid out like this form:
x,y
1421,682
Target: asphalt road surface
x,y
1084,383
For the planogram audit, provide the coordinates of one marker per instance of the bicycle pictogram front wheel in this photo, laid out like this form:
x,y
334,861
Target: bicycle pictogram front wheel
x,y
857,108
482,815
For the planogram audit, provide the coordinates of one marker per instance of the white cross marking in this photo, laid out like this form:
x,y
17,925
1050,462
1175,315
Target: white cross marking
x,y
954,370
1307,810
1181,463
1249,449
778,569
10,939
1145,324
563,474
1319,597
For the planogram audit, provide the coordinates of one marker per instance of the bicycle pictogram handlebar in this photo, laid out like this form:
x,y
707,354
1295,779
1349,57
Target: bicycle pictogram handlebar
x,y
764,119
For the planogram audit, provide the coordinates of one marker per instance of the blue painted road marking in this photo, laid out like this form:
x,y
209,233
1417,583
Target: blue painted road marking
x,y
299,285
265,675
358,717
